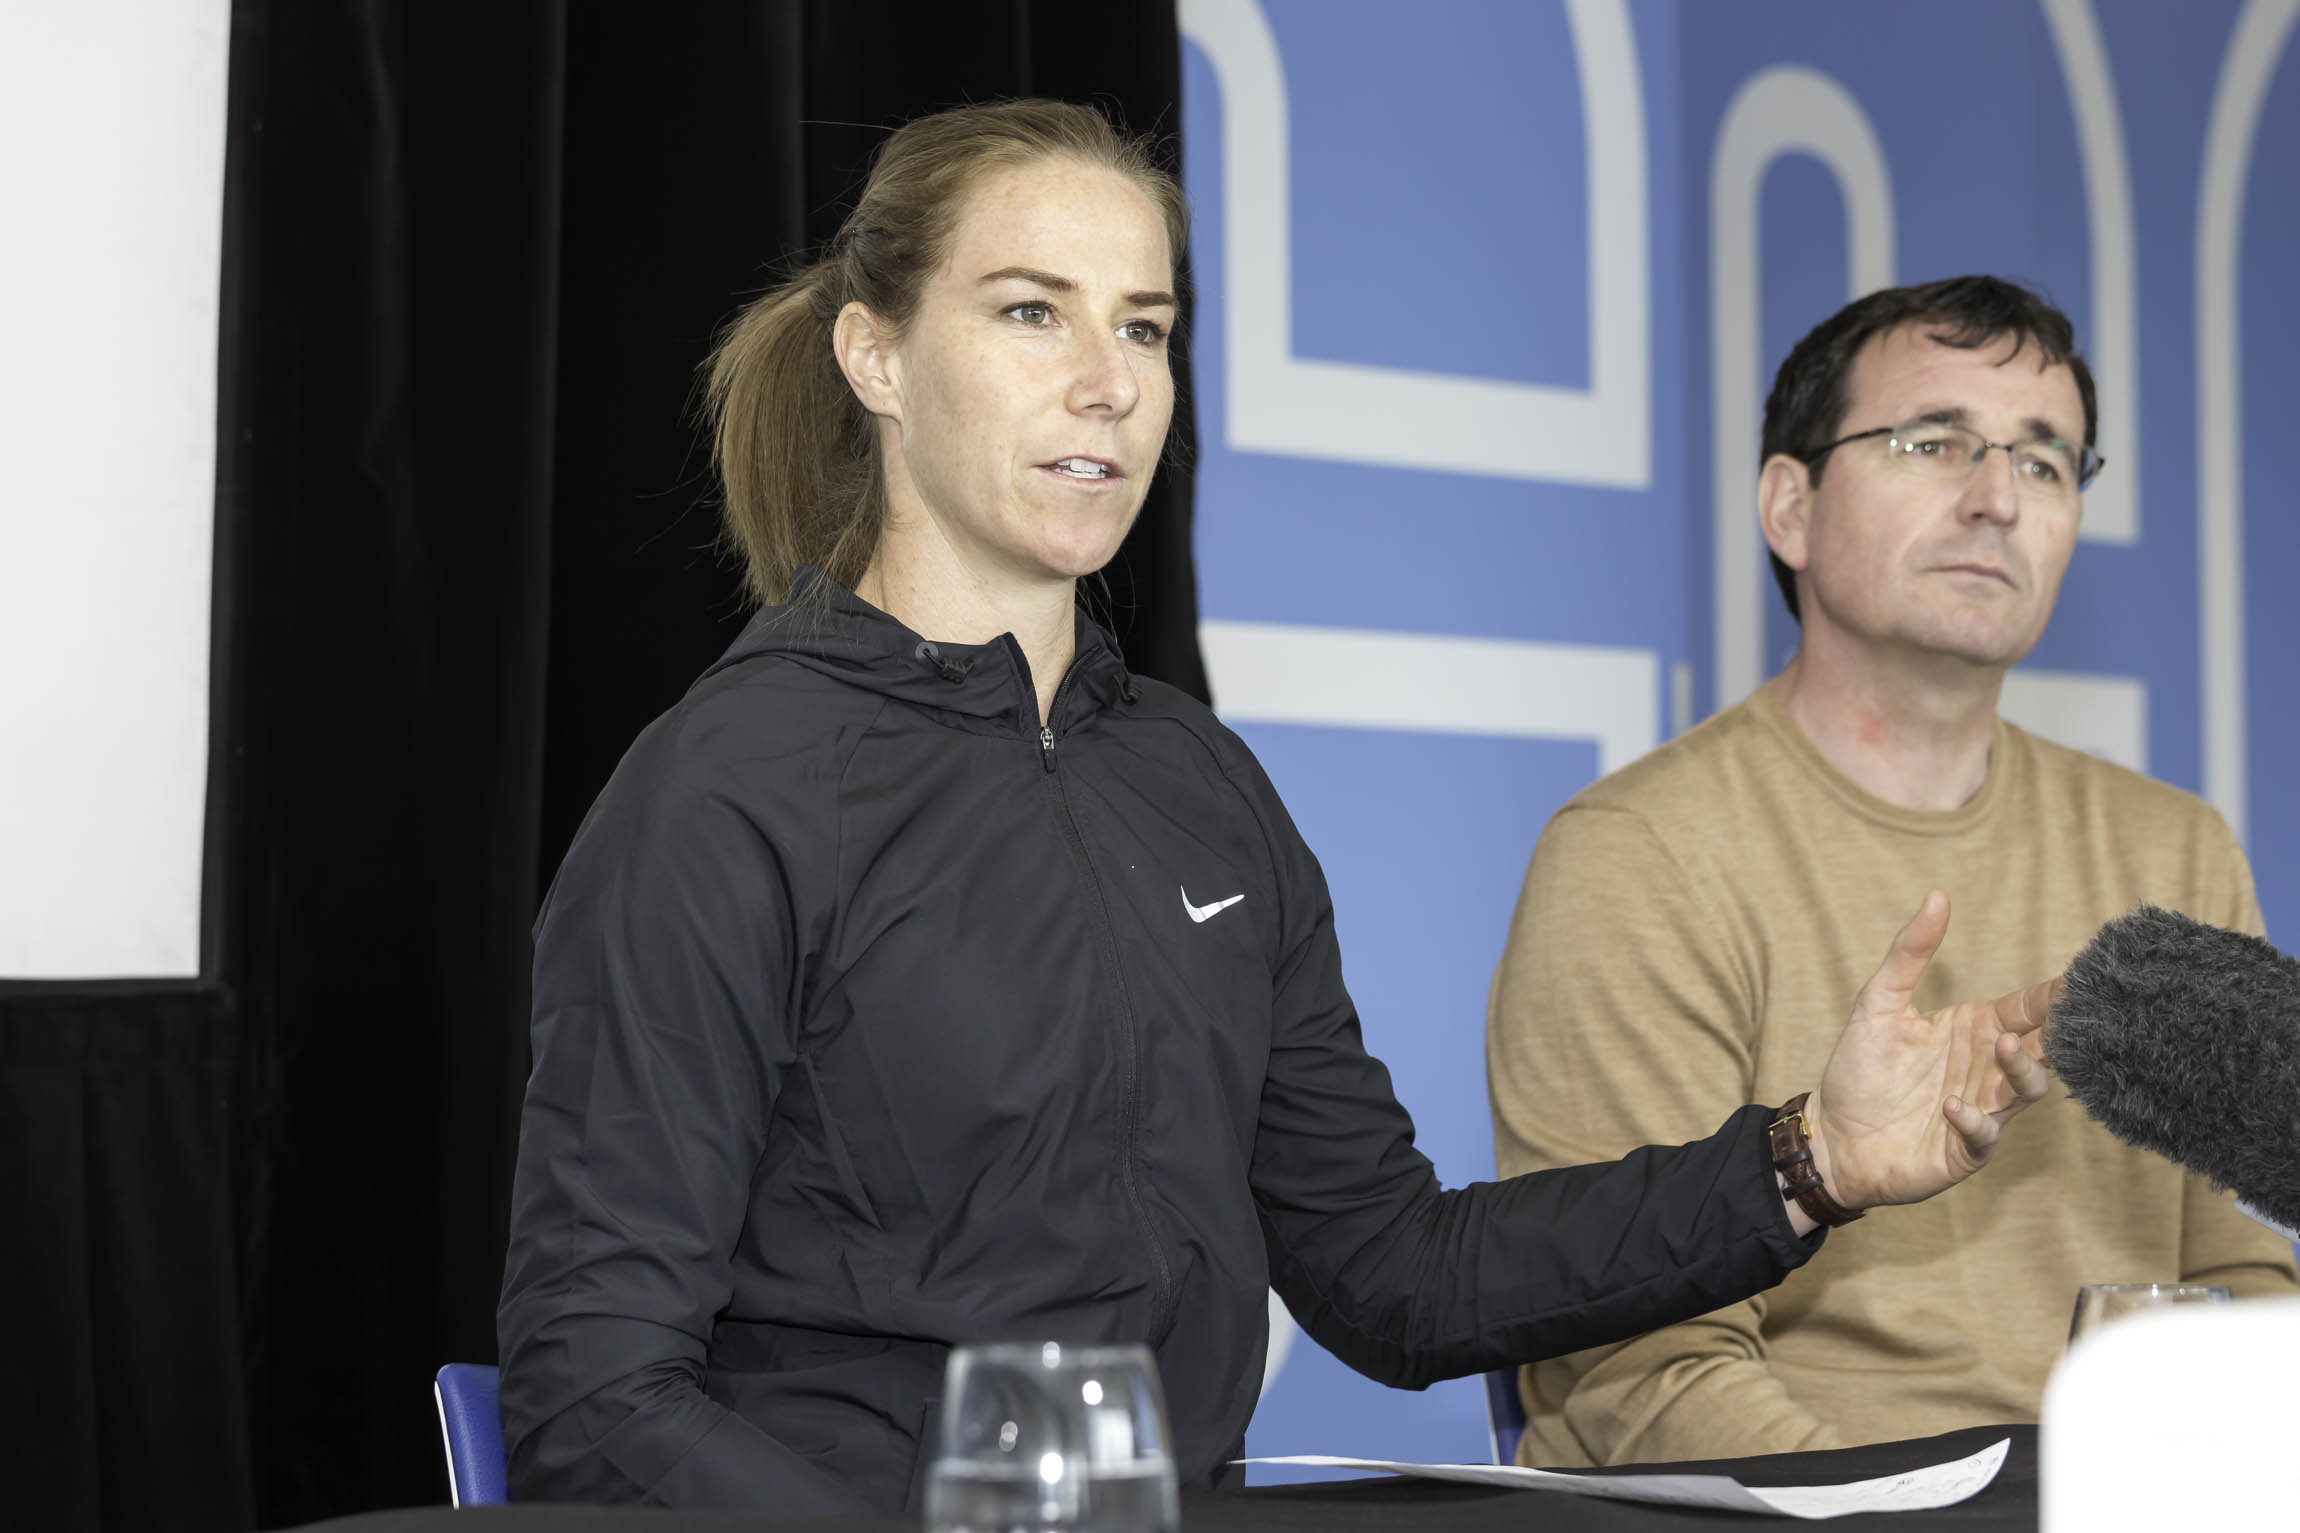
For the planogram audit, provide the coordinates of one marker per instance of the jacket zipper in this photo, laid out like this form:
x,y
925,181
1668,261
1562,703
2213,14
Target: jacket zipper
x,y
1129,1105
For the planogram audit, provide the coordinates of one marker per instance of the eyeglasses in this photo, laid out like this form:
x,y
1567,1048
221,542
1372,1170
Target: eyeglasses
x,y
2049,468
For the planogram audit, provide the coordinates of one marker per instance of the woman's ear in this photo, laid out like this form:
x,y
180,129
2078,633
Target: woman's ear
x,y
1785,508
864,347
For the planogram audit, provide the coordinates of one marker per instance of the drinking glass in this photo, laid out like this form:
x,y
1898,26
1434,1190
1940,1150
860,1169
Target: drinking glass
x,y
2097,1303
1047,1438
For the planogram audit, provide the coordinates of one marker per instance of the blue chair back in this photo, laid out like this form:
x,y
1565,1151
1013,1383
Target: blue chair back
x,y
473,1433
1504,1415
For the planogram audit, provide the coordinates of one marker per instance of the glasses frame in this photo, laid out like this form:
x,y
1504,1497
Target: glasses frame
x,y
2088,463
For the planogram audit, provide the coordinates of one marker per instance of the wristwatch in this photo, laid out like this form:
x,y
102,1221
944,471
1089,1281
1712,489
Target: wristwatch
x,y
1800,1177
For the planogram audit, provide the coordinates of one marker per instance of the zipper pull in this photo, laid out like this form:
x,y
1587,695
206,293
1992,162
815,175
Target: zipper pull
x,y
1046,745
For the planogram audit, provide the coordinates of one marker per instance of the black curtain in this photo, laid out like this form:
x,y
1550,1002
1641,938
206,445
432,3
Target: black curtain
x,y
474,255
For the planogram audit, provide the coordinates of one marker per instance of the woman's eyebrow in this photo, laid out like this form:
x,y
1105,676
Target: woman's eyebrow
x,y
1044,279
1148,298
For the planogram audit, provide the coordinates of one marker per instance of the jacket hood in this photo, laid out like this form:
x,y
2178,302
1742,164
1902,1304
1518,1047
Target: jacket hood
x,y
828,629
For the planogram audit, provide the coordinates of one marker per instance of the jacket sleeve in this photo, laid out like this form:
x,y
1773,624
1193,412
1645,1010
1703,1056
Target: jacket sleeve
x,y
663,998
1617,1017
1409,1283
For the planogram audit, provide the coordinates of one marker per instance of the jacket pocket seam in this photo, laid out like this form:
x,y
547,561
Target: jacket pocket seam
x,y
834,1146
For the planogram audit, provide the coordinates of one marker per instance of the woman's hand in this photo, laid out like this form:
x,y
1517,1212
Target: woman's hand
x,y
1911,1104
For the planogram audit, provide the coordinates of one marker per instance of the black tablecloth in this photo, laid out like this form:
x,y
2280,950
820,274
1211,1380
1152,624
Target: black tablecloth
x,y
1363,1506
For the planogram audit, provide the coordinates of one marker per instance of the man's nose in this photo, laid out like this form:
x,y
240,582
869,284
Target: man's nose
x,y
1993,491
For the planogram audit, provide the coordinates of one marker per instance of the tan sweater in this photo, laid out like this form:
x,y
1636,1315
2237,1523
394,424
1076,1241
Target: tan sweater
x,y
1690,937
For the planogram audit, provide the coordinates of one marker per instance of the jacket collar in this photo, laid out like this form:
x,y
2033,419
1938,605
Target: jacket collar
x,y
828,629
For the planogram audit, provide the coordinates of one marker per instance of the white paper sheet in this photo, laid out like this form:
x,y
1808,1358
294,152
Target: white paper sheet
x,y
1913,1491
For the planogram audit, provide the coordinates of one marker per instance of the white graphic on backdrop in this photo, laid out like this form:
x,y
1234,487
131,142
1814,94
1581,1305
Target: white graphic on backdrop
x,y
1353,413
1355,678
2105,715
1285,673
1786,110
2111,345
2253,51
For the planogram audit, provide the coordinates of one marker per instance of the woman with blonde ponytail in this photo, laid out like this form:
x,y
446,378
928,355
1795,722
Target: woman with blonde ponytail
x,y
926,977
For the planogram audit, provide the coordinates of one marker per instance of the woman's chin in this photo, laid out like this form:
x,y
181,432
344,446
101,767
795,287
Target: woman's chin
x,y
1075,558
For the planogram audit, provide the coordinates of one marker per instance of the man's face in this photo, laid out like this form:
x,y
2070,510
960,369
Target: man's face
x,y
1896,563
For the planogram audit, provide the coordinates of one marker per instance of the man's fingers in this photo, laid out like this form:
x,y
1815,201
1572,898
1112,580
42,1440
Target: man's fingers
x,y
1896,978
2025,1010
1978,1129
2028,1075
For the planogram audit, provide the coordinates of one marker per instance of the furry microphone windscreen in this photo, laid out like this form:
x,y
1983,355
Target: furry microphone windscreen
x,y
2184,1039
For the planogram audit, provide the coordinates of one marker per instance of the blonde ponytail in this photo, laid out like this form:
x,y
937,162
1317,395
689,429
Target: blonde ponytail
x,y
796,451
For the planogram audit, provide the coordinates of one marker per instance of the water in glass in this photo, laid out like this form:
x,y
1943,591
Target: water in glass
x,y
1047,1438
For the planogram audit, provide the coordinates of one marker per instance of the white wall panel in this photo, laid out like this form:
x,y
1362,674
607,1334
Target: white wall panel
x,y
111,197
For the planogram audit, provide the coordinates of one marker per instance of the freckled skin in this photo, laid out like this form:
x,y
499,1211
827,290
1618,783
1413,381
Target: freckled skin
x,y
1893,563
986,395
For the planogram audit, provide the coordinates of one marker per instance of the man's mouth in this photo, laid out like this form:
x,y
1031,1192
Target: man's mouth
x,y
1983,571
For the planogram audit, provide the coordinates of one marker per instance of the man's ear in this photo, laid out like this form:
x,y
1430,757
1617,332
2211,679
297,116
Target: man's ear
x,y
1785,508
864,347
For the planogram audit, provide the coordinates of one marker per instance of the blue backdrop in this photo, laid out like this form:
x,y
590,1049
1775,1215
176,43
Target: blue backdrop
x,y
1489,292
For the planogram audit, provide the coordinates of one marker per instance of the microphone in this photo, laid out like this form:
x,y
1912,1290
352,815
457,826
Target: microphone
x,y
2184,1039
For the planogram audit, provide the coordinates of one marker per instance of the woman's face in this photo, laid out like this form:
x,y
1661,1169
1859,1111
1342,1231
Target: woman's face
x,y
1023,412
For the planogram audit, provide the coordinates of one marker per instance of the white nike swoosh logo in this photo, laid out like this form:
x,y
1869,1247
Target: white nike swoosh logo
x,y
1201,912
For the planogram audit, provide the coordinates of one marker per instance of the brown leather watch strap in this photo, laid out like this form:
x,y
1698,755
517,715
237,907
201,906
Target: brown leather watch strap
x,y
1801,1178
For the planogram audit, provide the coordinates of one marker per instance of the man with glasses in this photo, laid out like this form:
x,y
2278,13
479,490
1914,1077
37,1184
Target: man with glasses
x,y
1691,926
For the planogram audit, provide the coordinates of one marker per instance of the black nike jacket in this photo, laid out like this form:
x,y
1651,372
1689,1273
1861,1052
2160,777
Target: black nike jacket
x,y
870,1018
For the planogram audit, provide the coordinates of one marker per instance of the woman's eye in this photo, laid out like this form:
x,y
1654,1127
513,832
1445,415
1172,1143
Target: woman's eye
x,y
1146,331
1032,313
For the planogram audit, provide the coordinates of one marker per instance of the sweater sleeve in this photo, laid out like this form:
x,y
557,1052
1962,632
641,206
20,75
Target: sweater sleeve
x,y
1409,1283
2217,1243
1618,1016
663,998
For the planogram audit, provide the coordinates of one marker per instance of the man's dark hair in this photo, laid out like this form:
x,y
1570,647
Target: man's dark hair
x,y
1806,410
